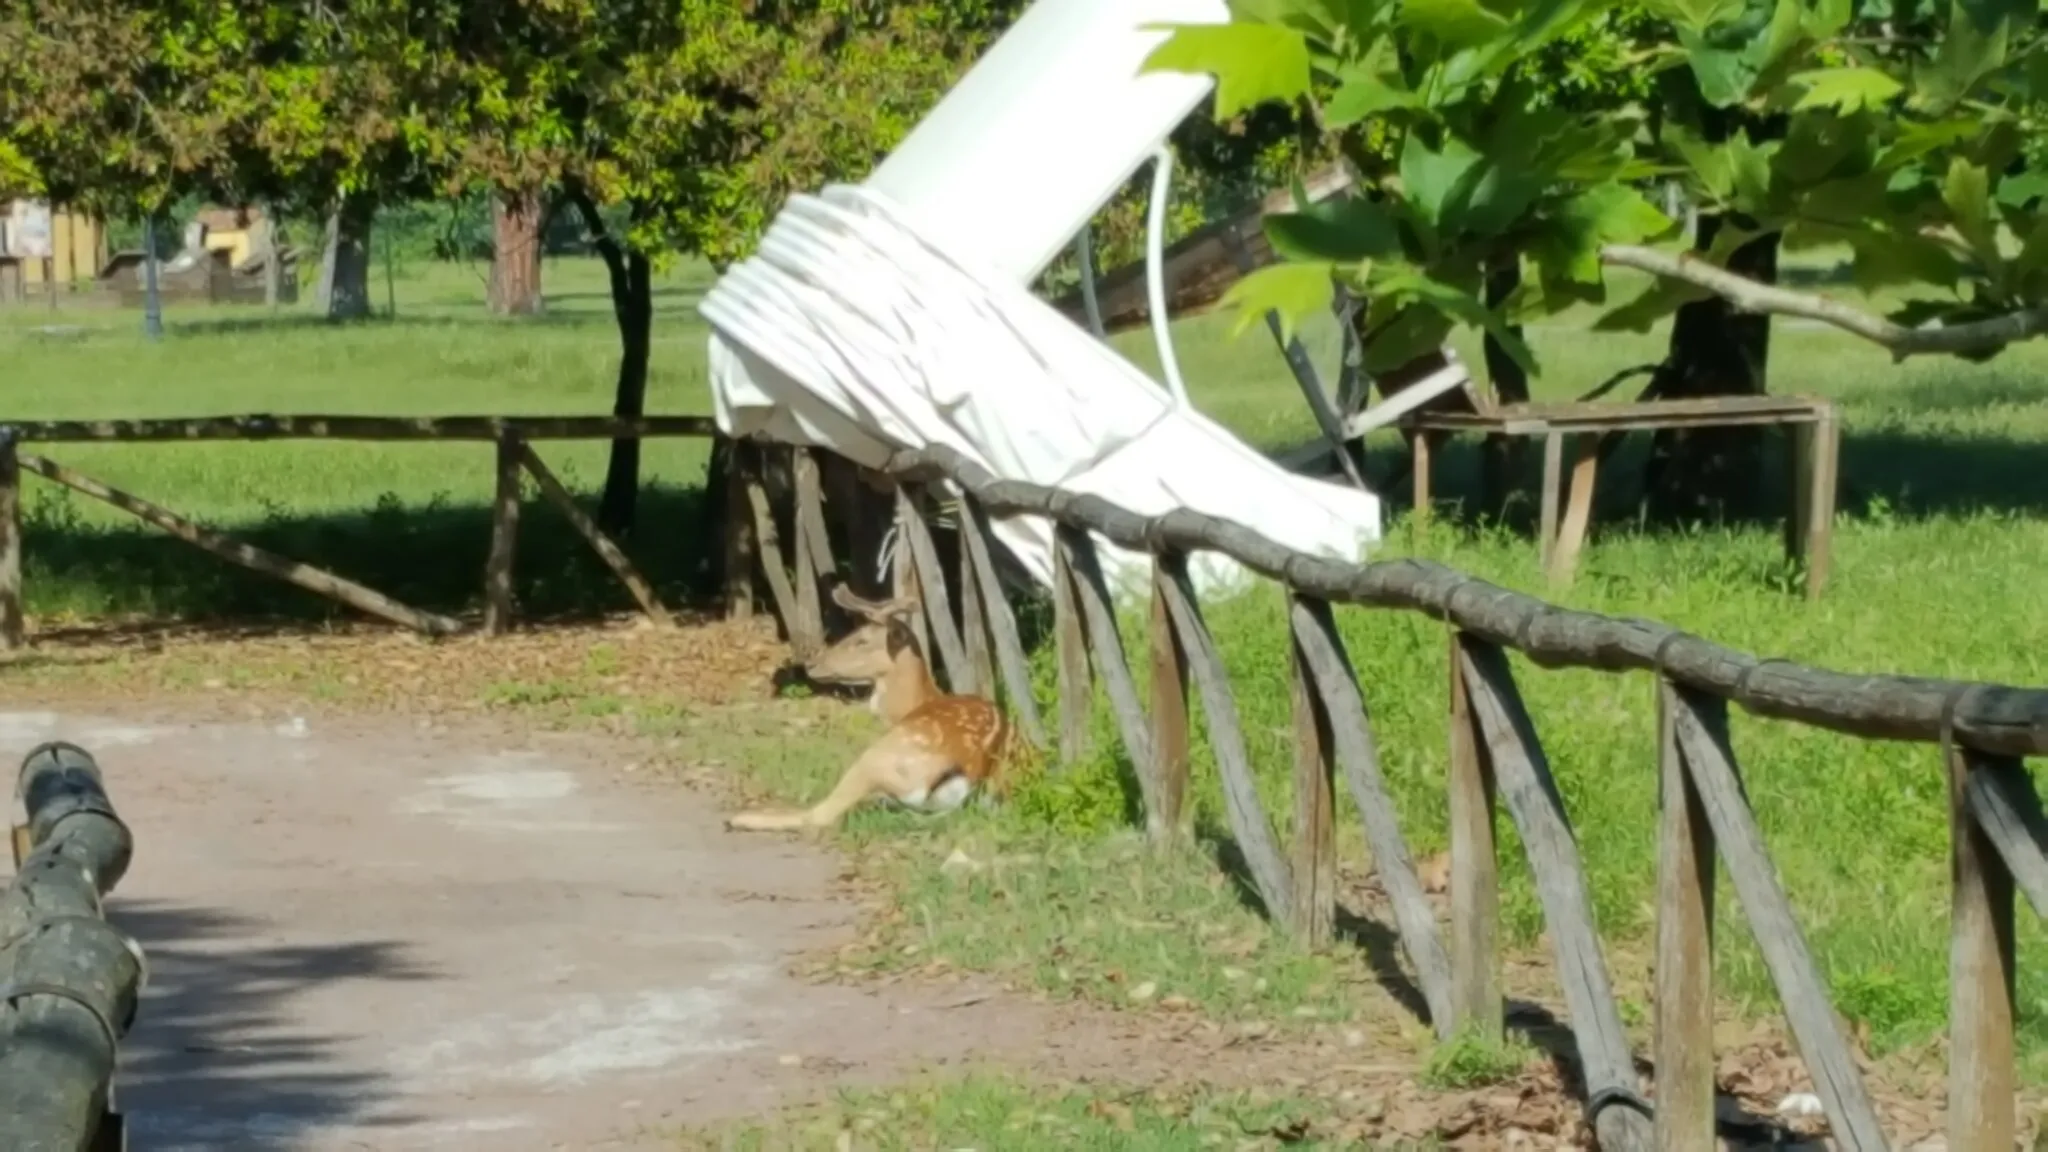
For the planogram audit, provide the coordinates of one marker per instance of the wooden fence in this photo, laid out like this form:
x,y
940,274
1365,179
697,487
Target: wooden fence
x,y
514,437
69,981
1982,732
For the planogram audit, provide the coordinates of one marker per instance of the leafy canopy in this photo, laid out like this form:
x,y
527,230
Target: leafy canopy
x,y
1907,131
1461,164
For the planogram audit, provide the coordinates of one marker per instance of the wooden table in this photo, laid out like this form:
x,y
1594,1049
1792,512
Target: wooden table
x,y
1811,423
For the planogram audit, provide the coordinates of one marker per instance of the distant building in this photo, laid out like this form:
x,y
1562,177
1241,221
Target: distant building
x,y
240,232
39,244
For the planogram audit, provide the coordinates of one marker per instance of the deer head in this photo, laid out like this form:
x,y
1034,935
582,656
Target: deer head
x,y
882,650
867,653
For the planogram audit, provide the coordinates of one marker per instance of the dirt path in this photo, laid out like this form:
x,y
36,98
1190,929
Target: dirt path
x,y
365,934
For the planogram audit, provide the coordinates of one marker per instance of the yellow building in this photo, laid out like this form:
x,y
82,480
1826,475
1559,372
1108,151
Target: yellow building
x,y
39,244
240,232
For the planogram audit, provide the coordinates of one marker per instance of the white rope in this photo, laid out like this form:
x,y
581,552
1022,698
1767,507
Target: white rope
x,y
1155,272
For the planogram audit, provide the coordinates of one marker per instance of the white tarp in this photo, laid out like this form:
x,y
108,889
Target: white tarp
x,y
850,332
896,314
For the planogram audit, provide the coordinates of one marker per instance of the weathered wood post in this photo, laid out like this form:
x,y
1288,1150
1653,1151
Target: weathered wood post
x,y
504,539
941,625
740,546
1983,1074
11,629
71,980
1076,686
1685,947
1475,868
813,551
768,547
1314,867
1169,705
978,570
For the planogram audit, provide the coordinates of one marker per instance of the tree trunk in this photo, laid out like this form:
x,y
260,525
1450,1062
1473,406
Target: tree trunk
x,y
343,292
1510,384
633,308
1712,474
517,219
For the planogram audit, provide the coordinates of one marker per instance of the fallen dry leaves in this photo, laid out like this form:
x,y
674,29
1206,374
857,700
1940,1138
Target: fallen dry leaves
x,y
700,662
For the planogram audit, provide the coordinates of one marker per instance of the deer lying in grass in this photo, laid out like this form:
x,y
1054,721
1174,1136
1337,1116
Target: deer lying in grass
x,y
940,749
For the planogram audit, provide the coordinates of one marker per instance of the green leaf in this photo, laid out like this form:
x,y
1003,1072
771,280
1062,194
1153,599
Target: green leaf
x,y
1252,63
1966,192
1694,15
2033,258
1453,24
1842,201
1656,301
1409,284
1294,290
1492,197
1846,89
1429,177
1567,251
1367,87
1344,230
1749,168
1885,259
1917,139
1709,164
1974,44
2023,189
1723,74
1781,36
1415,331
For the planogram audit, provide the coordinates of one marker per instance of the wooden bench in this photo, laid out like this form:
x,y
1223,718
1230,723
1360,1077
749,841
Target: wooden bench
x,y
1811,423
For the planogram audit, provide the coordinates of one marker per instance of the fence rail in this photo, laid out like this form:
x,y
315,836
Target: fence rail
x,y
69,981
513,435
2000,835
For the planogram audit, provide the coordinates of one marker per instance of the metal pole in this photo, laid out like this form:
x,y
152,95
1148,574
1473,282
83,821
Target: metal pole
x,y
152,305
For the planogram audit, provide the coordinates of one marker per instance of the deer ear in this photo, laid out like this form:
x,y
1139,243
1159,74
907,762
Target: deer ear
x,y
902,636
873,611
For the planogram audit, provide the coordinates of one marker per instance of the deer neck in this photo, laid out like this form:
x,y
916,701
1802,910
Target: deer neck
x,y
907,687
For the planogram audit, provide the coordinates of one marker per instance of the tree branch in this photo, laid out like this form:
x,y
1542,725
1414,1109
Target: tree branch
x,y
1749,296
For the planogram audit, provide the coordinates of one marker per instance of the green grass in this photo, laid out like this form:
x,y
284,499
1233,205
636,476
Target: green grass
x,y
991,1113
1938,554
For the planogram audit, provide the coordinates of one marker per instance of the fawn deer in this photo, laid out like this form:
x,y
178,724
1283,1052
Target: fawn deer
x,y
940,748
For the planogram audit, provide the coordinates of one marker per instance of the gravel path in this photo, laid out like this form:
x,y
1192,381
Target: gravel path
x,y
364,934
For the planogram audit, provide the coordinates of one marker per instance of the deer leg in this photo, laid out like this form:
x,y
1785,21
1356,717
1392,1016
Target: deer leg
x,y
903,776
856,785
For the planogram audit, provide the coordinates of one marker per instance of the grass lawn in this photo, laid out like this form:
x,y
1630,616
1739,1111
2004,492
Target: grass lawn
x,y
1938,557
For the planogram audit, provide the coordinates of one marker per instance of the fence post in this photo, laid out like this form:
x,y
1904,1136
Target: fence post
x,y
809,562
504,539
741,549
1685,948
11,629
1475,871
1982,1073
1070,643
1314,865
1169,706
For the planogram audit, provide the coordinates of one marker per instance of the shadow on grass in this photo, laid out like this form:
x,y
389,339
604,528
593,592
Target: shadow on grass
x,y
257,320
1380,943
1913,475
216,1059
429,557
